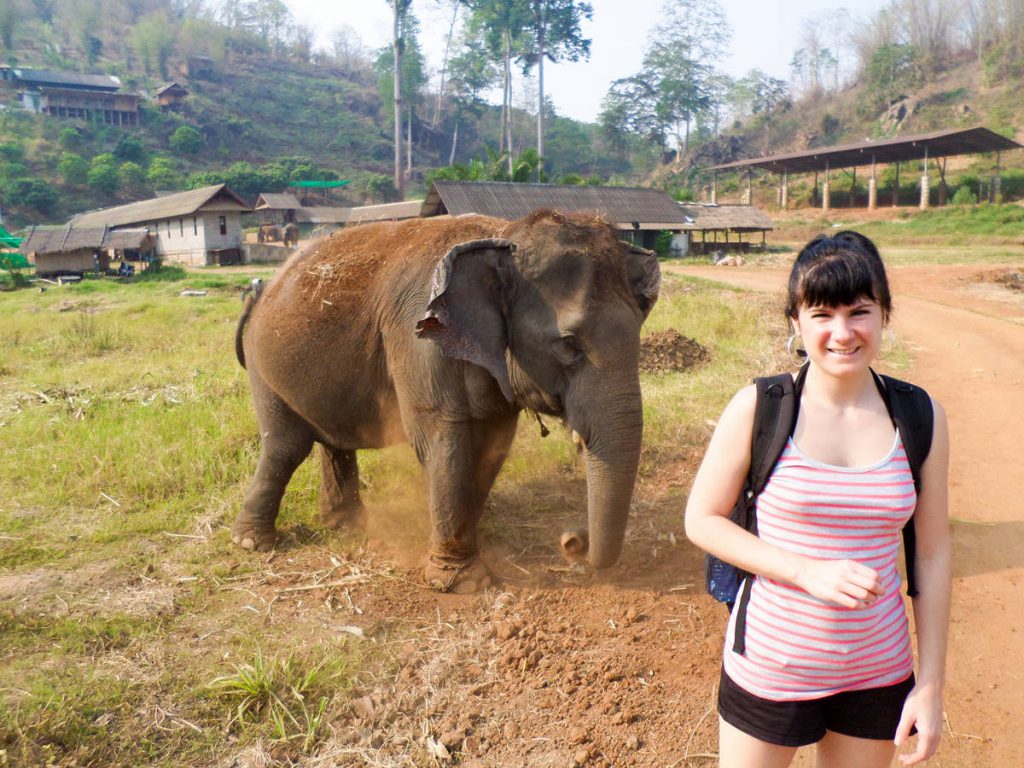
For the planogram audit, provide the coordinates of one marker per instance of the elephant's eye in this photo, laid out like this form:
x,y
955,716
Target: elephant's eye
x,y
567,349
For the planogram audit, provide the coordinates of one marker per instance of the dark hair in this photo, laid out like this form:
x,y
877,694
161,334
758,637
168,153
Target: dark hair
x,y
836,270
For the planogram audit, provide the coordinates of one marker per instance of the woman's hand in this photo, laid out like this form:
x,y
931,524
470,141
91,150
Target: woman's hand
x,y
844,582
923,708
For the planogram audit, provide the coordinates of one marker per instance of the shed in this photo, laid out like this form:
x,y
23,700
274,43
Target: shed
x,y
278,207
73,250
721,220
170,95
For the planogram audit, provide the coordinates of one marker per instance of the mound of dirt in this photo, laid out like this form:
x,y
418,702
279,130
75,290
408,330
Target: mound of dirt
x,y
667,351
1013,280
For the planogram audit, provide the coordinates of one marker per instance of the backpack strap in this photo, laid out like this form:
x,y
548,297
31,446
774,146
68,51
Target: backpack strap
x,y
910,409
775,412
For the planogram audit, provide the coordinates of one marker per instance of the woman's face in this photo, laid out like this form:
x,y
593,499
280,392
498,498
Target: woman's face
x,y
844,339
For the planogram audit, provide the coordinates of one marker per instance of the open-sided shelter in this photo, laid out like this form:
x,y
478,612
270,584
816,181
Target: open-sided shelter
x,y
917,149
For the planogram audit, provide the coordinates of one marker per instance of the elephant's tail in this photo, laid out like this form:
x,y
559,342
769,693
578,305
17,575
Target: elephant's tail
x,y
250,296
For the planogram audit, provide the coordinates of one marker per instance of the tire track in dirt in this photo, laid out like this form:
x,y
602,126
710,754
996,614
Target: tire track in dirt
x,y
968,351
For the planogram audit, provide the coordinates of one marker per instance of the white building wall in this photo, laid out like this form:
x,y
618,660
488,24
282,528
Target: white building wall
x,y
189,239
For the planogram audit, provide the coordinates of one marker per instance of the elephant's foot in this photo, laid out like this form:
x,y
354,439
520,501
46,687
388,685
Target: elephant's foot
x,y
459,577
337,518
249,535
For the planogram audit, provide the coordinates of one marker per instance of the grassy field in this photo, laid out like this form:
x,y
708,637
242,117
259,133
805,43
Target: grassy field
x,y
127,634
132,632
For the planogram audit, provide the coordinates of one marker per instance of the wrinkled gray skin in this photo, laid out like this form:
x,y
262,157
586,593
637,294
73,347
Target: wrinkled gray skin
x,y
439,332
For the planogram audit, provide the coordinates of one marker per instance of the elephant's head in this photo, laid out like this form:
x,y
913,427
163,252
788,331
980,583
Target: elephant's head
x,y
553,311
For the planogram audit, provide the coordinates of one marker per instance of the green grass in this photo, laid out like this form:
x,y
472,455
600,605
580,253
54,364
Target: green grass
x,y
132,631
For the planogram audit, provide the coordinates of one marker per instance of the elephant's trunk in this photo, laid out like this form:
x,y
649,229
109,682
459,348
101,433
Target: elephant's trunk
x,y
612,456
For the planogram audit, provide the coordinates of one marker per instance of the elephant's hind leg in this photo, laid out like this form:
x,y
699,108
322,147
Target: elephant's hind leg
x,y
286,441
339,501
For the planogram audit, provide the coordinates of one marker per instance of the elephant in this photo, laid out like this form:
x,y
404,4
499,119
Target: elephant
x,y
290,234
268,233
440,332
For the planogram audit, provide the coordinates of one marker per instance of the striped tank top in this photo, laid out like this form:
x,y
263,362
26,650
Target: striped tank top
x,y
797,646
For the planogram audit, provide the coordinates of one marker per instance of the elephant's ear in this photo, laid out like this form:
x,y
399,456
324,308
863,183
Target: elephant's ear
x,y
465,313
644,276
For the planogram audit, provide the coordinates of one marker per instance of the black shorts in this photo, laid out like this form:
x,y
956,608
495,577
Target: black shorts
x,y
870,714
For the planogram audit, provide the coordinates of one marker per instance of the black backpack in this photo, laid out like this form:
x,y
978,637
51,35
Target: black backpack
x,y
775,414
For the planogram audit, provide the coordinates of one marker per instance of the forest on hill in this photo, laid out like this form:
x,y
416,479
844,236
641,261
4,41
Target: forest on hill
x,y
275,107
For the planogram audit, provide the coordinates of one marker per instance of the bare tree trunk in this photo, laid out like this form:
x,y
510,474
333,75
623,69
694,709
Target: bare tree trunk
x,y
396,49
408,144
508,98
455,142
444,66
540,95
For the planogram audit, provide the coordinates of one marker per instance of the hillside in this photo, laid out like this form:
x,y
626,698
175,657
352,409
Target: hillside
x,y
271,111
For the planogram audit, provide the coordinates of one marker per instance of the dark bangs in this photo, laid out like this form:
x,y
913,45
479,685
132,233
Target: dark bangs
x,y
839,270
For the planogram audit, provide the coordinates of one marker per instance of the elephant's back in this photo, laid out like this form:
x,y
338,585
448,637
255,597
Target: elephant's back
x,y
354,260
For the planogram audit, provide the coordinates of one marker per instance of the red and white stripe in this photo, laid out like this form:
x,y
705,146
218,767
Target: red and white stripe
x,y
797,646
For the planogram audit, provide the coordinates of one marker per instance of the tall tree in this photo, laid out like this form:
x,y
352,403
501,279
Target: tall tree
x,y
472,73
553,32
411,79
502,24
401,13
676,82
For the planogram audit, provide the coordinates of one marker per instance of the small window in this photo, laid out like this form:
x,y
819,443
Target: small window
x,y
223,222
195,226
168,229
181,227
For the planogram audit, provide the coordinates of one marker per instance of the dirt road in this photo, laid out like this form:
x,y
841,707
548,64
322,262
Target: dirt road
x,y
967,341
561,667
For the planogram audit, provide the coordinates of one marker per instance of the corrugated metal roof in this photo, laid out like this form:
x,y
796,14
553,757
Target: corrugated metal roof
x,y
172,86
738,218
905,148
322,214
619,205
67,238
215,198
277,201
66,79
408,209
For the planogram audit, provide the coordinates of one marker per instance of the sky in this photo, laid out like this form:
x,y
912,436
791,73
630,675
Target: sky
x,y
765,33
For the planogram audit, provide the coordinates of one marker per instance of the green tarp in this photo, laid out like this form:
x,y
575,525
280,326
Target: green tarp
x,y
312,184
7,240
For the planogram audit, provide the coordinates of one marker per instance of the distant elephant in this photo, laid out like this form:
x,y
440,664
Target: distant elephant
x,y
290,234
268,233
439,332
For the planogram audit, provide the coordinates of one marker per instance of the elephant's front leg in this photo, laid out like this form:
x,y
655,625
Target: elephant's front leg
x,y
339,502
461,461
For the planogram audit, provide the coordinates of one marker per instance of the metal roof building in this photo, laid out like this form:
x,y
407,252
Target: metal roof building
x,y
915,148
629,208
198,227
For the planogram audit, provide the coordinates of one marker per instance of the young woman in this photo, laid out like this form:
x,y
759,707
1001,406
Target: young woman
x,y
827,656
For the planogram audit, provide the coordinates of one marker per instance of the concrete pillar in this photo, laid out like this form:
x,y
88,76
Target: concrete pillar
x,y
826,195
784,193
997,189
925,191
872,193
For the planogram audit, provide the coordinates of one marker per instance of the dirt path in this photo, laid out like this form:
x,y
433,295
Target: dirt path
x,y
967,342
561,667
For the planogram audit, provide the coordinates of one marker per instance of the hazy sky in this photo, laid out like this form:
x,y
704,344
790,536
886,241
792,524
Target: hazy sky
x,y
764,36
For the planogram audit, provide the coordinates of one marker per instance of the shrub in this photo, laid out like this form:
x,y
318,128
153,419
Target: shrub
x,y
186,140
102,174
130,149
163,173
69,138
73,168
964,196
31,192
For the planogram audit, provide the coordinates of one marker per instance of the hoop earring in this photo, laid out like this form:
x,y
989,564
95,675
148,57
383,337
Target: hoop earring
x,y
797,354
